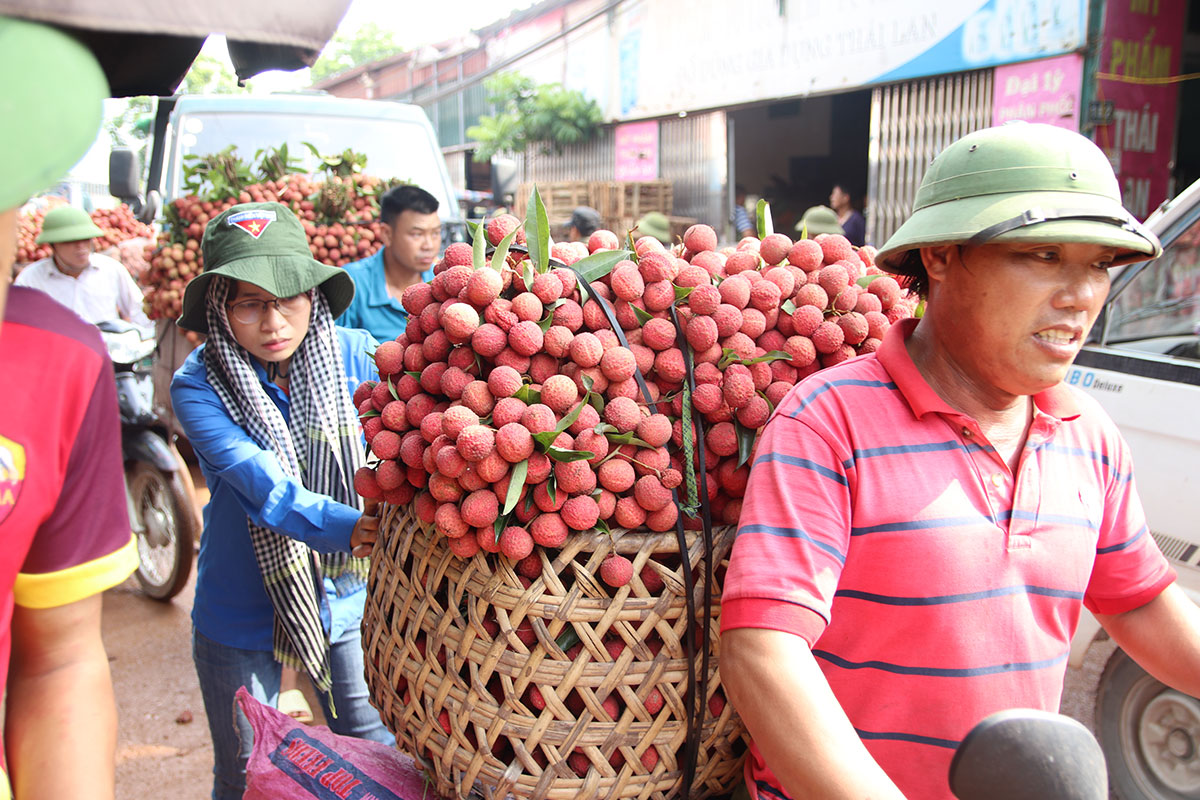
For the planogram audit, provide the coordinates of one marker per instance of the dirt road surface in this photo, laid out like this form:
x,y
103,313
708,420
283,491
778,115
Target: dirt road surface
x,y
163,746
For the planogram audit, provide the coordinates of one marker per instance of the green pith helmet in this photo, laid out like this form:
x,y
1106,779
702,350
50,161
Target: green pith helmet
x,y
51,94
818,220
656,225
1019,182
263,244
67,224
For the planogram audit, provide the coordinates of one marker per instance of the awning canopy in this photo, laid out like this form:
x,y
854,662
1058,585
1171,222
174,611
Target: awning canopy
x,y
147,46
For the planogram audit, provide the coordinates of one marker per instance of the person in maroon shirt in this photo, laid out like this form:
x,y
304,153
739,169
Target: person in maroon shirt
x,y
64,528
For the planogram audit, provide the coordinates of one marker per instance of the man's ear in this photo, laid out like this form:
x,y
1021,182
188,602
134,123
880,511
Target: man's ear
x,y
937,260
385,235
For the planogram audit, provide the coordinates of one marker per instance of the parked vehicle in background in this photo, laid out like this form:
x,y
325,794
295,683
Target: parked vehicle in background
x,y
1142,364
396,138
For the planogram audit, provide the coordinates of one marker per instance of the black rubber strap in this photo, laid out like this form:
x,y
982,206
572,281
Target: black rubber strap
x,y
1036,215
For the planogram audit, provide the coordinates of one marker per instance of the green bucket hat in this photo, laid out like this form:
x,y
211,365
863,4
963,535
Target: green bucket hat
x,y
657,225
263,244
52,92
1020,182
818,220
67,224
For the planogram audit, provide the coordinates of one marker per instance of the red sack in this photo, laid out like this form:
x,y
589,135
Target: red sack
x,y
291,761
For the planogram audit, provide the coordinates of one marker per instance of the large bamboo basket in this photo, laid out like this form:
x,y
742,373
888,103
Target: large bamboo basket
x,y
429,654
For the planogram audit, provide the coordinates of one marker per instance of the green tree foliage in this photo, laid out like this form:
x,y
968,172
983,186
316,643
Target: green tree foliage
x,y
210,75
547,115
345,50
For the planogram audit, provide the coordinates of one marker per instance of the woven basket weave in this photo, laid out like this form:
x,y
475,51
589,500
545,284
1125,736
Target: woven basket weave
x,y
432,665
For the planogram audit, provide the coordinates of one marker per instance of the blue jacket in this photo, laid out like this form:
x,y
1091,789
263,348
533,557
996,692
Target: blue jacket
x,y
372,308
231,605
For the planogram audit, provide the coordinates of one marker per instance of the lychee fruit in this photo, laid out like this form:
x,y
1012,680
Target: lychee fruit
x,y
699,238
516,543
514,443
828,337
559,393
586,350
835,247
623,414
580,512
525,338
501,225
616,570
366,485
548,530
774,248
475,442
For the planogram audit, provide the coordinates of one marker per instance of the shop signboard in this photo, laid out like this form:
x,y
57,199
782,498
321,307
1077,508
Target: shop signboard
x,y
1139,57
670,61
1044,91
636,145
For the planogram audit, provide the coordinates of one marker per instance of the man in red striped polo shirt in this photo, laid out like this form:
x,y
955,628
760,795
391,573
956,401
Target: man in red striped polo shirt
x,y
923,524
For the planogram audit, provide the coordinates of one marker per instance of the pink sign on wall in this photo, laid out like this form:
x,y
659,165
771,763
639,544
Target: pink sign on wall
x,y
1135,109
1039,91
636,144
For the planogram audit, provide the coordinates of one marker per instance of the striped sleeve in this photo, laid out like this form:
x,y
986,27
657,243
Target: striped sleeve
x,y
1129,570
793,534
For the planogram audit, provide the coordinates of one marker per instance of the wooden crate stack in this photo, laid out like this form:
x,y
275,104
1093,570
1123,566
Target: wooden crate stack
x,y
620,203
561,198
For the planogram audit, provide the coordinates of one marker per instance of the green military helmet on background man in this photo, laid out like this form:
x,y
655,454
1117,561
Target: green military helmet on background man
x,y
1019,182
818,220
67,224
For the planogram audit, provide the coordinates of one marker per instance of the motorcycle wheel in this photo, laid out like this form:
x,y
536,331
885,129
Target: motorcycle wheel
x,y
1150,734
164,526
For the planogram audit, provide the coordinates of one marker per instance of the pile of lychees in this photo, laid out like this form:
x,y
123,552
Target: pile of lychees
x,y
510,414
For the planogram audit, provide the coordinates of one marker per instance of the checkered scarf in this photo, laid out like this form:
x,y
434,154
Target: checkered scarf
x,y
321,447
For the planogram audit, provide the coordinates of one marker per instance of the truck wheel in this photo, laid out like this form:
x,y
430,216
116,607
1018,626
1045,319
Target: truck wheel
x,y
164,526
1150,734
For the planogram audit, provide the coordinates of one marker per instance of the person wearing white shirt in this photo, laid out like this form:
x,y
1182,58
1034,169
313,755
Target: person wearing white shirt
x,y
94,286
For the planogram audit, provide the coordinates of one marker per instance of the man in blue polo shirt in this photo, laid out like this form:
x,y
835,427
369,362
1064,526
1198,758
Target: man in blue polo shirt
x,y
412,238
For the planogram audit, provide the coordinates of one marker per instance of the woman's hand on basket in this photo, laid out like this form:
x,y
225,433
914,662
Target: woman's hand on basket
x,y
366,531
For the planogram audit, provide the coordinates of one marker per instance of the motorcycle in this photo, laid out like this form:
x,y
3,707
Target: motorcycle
x,y
157,487
1023,754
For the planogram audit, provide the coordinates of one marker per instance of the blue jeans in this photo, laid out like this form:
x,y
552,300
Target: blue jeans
x,y
222,669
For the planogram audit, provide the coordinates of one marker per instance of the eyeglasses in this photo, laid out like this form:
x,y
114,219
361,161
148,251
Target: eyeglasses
x,y
250,312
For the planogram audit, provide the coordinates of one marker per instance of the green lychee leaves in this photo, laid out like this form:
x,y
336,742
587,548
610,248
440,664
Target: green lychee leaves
x,y
558,454
516,482
745,437
528,395
537,232
788,307
500,254
643,316
597,265
479,247
728,356
765,226
865,280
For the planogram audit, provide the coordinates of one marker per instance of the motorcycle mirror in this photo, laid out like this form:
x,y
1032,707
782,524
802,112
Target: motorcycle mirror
x,y
1023,754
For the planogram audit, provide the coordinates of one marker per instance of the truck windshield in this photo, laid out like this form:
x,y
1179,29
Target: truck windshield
x,y
394,148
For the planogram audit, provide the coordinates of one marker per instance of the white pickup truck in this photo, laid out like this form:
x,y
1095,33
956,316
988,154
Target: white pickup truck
x,y
1142,363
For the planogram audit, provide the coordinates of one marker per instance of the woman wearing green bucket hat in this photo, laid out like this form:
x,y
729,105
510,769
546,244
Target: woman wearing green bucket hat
x,y
266,404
